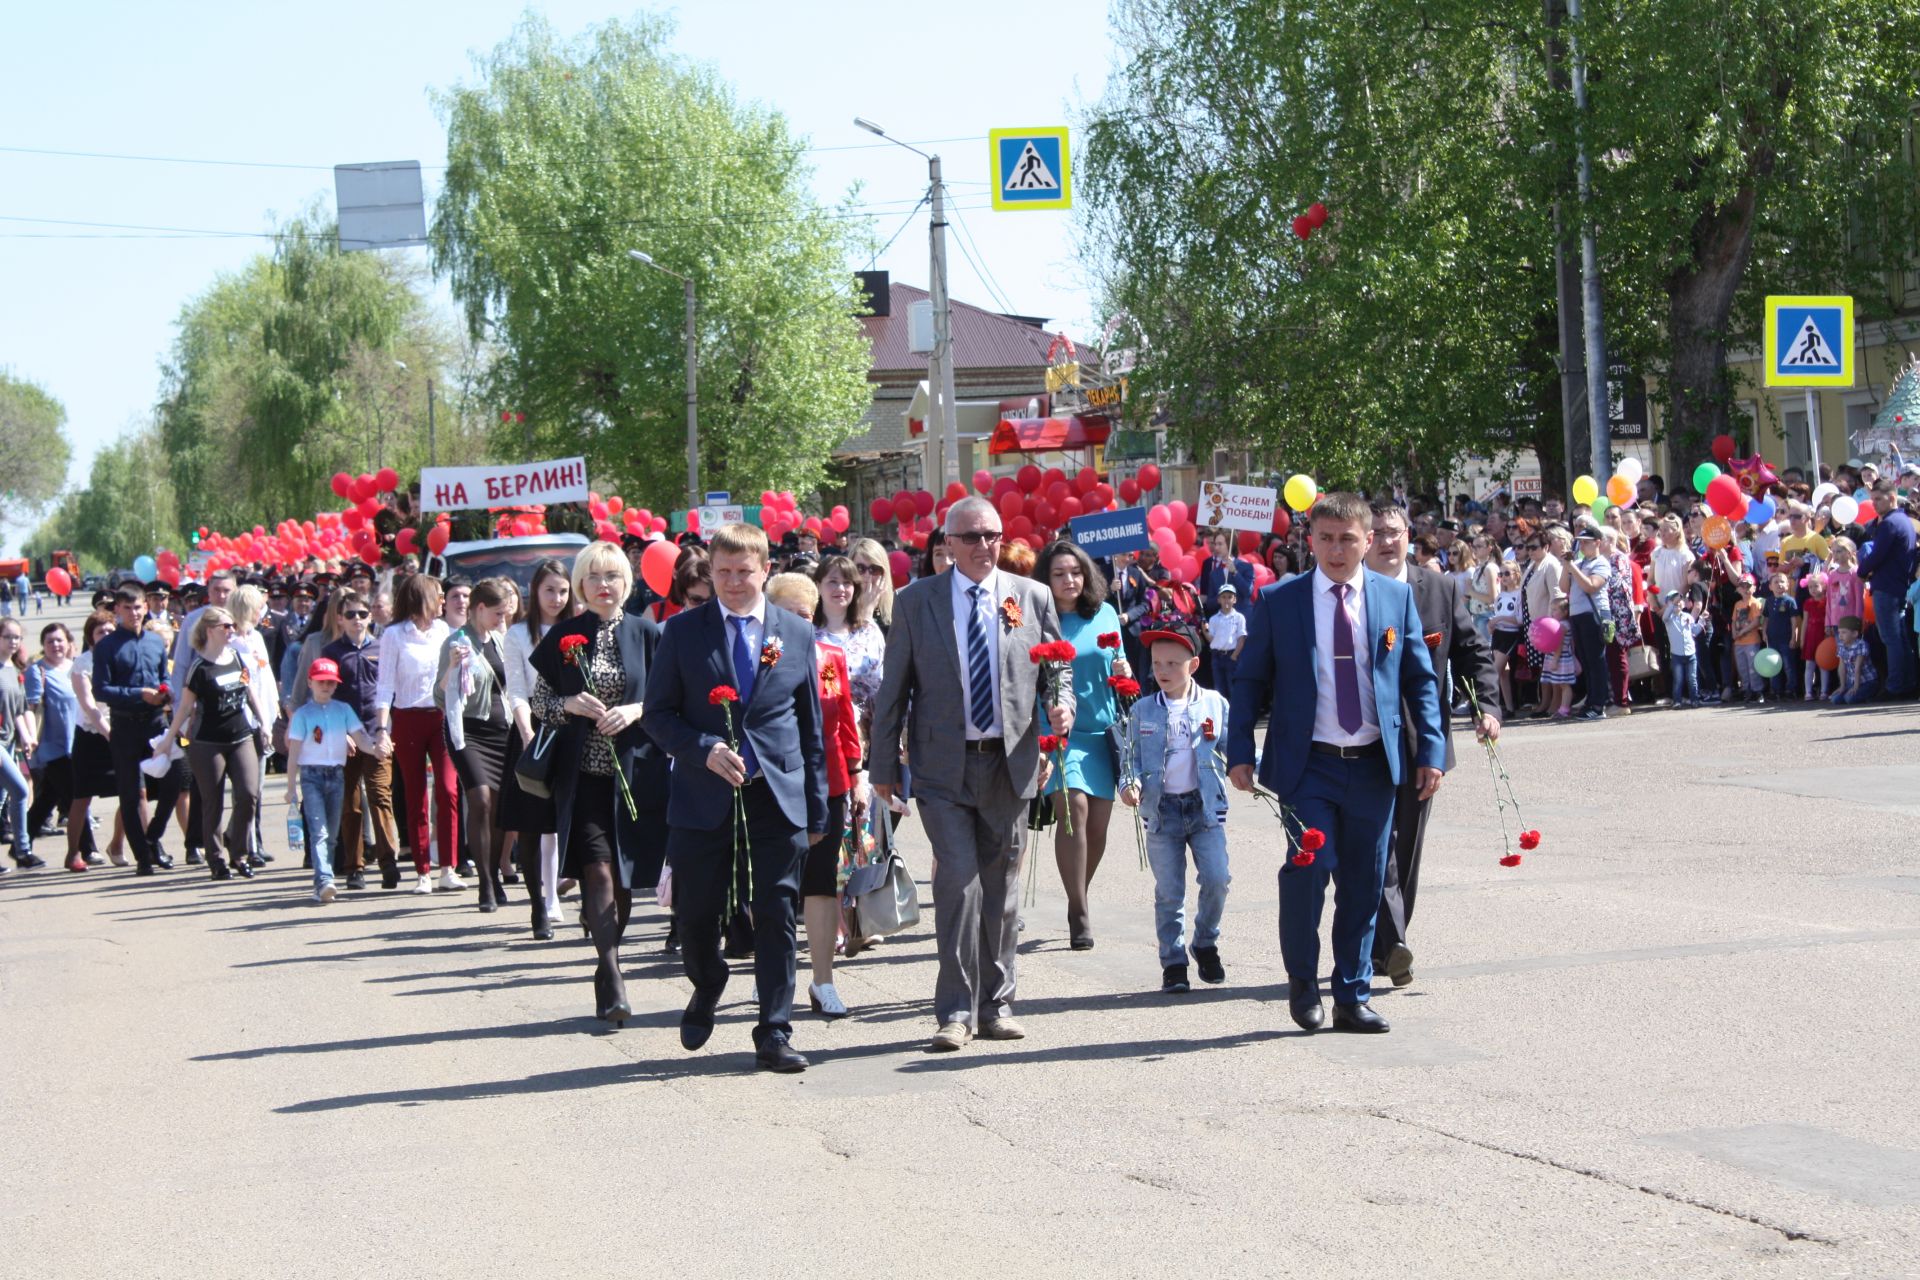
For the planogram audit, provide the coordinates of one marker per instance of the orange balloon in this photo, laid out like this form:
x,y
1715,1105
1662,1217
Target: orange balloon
x,y
1619,492
1827,655
1718,531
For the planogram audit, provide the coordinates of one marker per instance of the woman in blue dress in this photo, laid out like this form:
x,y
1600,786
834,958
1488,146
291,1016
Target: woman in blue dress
x,y
1086,786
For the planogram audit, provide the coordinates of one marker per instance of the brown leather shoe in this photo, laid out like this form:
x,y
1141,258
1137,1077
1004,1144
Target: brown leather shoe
x,y
1002,1029
951,1036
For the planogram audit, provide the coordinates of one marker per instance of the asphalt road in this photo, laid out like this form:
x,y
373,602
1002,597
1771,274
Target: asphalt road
x,y
1679,1040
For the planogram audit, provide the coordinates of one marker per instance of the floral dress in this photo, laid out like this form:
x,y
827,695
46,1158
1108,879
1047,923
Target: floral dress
x,y
607,678
865,648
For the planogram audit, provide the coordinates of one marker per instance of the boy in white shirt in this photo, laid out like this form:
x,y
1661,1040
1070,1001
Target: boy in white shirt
x,y
317,739
1226,636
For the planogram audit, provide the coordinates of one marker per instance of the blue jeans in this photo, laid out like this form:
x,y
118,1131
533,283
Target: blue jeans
x,y
14,784
1686,677
323,789
1352,802
1896,633
1224,665
1183,824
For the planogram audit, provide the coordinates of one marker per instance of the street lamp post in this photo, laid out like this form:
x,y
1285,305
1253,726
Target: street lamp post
x,y
694,491
940,370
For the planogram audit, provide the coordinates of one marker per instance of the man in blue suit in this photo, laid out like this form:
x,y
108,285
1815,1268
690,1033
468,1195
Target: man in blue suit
x,y
1335,655
778,774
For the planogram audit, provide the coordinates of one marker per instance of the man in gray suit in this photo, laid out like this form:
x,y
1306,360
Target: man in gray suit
x,y
957,658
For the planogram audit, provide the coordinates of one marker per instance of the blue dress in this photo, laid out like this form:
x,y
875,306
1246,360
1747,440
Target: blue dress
x,y
1090,763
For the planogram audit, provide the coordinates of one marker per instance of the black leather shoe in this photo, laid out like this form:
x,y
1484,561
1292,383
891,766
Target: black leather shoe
x,y
242,868
1398,964
193,858
218,871
696,1024
1303,1000
145,869
1358,1017
1173,979
29,861
1211,970
775,1054
672,944
390,877
162,859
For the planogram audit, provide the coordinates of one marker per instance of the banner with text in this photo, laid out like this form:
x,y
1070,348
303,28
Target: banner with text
x,y
1108,533
528,484
1236,506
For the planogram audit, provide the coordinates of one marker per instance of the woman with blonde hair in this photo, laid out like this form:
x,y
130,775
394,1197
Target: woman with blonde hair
x,y
876,574
218,704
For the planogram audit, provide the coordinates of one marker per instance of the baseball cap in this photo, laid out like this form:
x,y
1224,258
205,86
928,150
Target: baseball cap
x,y
1175,633
1910,469
324,669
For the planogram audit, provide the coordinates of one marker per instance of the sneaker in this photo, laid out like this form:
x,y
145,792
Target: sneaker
x,y
357,880
450,880
1592,713
28,861
424,884
1211,970
324,894
1173,979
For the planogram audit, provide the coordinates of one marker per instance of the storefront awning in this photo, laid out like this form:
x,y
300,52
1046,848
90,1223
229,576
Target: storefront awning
x,y
1047,435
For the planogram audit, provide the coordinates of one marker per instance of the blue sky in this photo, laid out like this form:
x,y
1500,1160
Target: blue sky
x,y
89,311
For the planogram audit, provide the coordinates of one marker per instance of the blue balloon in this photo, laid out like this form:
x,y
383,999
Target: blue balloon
x,y
145,569
1760,510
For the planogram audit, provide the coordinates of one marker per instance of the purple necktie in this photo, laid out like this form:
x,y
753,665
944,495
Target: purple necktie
x,y
1346,679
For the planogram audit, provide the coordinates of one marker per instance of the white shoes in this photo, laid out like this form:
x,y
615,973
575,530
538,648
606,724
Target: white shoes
x,y
423,884
324,894
450,879
826,1001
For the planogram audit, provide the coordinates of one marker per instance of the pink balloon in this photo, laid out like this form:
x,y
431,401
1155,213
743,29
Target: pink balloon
x,y
902,566
1158,517
983,480
1545,634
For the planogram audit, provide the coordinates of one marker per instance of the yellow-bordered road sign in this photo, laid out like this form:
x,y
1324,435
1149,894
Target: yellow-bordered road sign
x,y
1809,342
1031,168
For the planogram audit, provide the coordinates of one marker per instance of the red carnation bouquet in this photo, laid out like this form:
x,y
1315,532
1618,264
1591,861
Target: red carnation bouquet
x,y
1055,660
724,696
570,647
1503,797
572,652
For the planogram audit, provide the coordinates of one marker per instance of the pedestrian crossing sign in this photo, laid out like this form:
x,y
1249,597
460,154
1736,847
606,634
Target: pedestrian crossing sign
x,y
1031,168
1809,342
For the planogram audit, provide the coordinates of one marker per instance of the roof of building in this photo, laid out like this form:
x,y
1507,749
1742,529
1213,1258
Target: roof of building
x,y
981,339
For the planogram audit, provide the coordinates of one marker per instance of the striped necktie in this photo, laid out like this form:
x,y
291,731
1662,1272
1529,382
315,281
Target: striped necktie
x,y
979,665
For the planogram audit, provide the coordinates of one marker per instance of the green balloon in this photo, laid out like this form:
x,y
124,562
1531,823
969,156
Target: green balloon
x,y
1767,663
1600,505
1703,475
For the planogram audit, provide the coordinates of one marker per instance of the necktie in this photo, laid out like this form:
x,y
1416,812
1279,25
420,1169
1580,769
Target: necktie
x,y
1346,678
979,665
744,670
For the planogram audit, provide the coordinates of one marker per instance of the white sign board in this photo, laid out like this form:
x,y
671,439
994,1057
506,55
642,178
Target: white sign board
x,y
1236,506
525,485
712,518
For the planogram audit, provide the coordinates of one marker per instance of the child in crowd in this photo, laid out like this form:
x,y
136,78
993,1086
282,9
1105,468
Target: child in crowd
x,y
1857,676
1174,769
1749,620
1846,596
1813,630
317,766
1505,629
1561,670
1680,613
1782,623
1226,637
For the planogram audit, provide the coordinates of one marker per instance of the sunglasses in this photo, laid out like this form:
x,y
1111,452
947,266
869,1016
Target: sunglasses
x,y
871,570
357,613
974,537
223,626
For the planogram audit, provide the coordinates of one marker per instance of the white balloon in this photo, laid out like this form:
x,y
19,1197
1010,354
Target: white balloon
x,y
1630,470
1845,509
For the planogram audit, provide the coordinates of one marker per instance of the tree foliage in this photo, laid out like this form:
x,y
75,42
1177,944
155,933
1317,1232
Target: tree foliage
x,y
34,452
565,155
126,509
1418,324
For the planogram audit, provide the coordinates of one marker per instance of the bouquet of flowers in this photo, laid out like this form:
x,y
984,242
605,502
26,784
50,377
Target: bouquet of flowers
x,y
724,696
1055,660
572,650
1529,837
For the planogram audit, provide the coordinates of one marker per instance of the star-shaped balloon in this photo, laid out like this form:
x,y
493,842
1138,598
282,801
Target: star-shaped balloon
x,y
1755,475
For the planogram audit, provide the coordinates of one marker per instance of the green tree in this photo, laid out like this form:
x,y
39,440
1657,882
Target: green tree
x,y
569,153
34,452
126,510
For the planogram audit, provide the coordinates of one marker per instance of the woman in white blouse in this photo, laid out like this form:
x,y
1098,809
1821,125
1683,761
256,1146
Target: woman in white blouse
x,y
92,759
412,725
548,599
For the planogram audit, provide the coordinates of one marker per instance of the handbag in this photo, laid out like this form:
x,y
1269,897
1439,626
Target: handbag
x,y
1643,660
534,770
663,891
883,895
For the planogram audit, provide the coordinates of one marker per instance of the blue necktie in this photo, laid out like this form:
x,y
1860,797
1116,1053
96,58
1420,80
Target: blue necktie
x,y
979,666
744,671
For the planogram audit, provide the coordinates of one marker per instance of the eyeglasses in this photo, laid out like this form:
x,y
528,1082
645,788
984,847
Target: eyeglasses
x,y
357,613
871,570
223,626
974,537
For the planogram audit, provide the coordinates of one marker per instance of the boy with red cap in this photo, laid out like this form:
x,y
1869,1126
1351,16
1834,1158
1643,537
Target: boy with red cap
x,y
317,739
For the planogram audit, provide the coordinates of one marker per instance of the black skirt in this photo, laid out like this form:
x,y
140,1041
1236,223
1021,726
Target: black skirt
x,y
592,839
482,762
528,815
820,873
92,766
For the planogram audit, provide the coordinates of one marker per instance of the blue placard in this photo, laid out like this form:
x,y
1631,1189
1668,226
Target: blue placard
x,y
1109,533
718,498
1810,341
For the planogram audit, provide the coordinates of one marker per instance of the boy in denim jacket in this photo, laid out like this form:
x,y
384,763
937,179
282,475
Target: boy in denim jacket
x,y
1174,769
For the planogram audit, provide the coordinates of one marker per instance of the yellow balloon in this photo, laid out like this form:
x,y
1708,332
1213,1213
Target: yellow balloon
x,y
1301,491
1585,491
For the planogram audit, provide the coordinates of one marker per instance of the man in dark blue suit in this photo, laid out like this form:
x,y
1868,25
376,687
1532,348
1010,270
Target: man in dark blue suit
x,y
778,774
1218,570
1335,655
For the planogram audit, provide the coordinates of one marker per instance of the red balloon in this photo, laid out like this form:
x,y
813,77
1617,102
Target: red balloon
x,y
342,484
1028,478
1019,527
387,479
1723,447
1303,226
369,507
956,491
1002,486
1282,522
1724,496
983,480
656,566
438,537
1158,517
606,532
1129,490
924,502
1178,510
361,489
1011,505
170,574
596,509
839,519
352,518
881,510
1187,533
1317,214
1101,498
404,540
1043,514
903,502
1070,508
614,505
659,524
59,582
1149,476
203,531
1247,541
1086,480
1056,491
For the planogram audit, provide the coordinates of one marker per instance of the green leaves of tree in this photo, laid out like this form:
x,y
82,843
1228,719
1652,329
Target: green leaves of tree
x,y
33,447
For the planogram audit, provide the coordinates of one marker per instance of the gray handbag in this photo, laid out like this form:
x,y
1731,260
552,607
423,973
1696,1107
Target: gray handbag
x,y
883,895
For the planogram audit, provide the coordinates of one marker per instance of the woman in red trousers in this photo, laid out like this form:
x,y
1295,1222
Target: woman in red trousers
x,y
405,715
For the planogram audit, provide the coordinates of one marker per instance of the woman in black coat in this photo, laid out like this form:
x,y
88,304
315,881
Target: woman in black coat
x,y
591,672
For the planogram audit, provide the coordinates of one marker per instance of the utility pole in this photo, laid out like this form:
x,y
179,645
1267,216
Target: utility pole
x,y
1575,432
432,451
1598,410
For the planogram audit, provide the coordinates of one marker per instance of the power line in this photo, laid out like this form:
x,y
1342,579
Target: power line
x,y
905,223
986,277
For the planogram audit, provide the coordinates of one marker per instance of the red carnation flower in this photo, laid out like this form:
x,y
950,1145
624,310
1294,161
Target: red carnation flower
x,y
1313,838
1529,839
1110,640
1052,651
1049,743
1123,686
722,693
1302,859
1511,860
570,647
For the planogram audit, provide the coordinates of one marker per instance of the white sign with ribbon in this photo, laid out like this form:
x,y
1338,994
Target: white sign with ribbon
x,y
1236,506
527,484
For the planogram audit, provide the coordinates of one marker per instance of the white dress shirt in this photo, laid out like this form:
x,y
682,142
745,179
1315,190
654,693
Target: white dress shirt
x,y
518,661
1326,707
756,630
409,664
989,606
